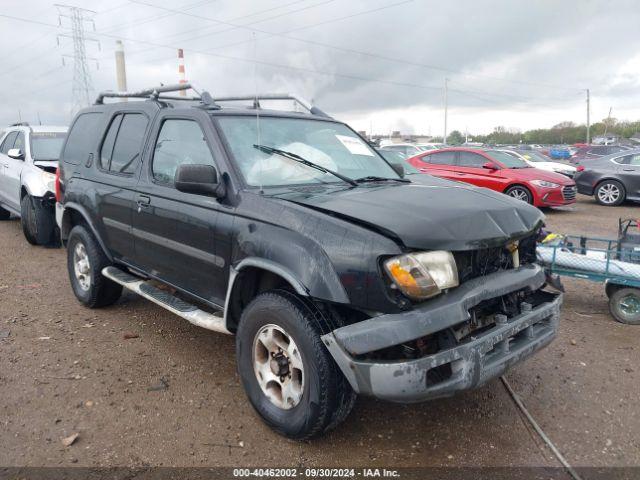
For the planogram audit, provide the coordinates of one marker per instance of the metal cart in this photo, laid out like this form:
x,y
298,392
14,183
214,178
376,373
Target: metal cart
x,y
616,263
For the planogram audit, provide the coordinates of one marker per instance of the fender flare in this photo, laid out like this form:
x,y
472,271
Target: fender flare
x,y
264,264
65,227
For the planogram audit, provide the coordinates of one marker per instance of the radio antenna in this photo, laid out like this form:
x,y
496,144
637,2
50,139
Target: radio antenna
x,y
256,102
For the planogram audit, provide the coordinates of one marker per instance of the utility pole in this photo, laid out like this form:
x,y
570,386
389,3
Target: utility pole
x,y
121,69
588,118
446,106
82,88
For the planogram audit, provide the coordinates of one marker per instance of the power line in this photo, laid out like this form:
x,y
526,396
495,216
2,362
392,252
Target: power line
x,y
269,64
335,47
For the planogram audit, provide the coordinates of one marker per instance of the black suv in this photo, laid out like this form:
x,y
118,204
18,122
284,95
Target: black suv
x,y
336,273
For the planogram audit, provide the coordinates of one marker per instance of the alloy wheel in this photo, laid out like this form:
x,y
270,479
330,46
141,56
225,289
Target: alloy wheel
x,y
608,193
519,194
82,267
278,366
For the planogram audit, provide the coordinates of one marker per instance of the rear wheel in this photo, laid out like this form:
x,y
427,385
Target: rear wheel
x,y
520,193
85,261
288,374
610,193
624,305
38,224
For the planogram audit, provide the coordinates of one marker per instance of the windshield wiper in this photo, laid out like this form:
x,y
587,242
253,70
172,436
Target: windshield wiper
x,y
297,158
373,178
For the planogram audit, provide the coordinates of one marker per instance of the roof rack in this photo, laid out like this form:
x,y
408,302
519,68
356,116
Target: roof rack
x,y
275,96
154,93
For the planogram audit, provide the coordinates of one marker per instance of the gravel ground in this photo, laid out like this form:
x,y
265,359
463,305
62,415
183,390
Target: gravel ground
x,y
170,396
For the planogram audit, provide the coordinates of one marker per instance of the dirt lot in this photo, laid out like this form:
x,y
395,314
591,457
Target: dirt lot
x,y
65,369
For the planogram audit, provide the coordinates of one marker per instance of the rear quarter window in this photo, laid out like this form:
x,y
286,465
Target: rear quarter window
x,y
82,138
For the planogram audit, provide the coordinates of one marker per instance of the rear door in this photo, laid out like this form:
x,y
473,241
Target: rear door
x,y
629,172
175,232
440,164
116,177
7,144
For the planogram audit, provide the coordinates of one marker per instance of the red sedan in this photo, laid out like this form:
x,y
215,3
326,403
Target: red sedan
x,y
498,171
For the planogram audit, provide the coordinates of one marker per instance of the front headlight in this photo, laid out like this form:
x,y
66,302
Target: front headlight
x,y
545,184
422,275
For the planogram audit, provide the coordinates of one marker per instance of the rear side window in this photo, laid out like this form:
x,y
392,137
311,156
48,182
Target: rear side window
x,y
8,142
81,138
121,149
179,142
441,158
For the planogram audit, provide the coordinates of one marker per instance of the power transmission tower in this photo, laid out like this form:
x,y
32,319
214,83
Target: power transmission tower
x,y
82,89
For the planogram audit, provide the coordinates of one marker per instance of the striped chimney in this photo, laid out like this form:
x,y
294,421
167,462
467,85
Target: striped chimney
x,y
181,75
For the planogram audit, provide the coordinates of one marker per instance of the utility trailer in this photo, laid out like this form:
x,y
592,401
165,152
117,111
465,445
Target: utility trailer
x,y
616,263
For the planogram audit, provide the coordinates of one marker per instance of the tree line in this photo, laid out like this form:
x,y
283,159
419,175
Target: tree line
x,y
562,133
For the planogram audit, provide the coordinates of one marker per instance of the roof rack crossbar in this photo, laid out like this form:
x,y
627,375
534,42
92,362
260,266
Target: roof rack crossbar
x,y
152,93
274,96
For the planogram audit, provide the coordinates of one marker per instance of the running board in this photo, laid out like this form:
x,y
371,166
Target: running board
x,y
166,300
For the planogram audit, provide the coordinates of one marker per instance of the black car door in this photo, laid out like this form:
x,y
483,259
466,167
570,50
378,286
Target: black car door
x,y
175,232
116,177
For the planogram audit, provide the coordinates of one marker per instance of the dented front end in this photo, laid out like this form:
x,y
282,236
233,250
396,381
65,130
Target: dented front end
x,y
454,342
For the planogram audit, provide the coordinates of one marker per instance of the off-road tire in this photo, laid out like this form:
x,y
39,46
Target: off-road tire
x,y
523,190
616,305
327,396
607,184
4,214
38,224
102,291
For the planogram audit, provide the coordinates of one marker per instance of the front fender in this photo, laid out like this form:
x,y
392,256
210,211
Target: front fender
x,y
298,259
38,183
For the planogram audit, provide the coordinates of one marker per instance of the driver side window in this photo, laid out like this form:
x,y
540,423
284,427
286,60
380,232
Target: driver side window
x,y
179,142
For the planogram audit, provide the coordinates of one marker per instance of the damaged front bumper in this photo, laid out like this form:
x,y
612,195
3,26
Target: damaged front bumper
x,y
471,363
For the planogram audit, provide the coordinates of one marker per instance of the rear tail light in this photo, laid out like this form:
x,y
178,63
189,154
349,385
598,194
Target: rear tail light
x,y
59,186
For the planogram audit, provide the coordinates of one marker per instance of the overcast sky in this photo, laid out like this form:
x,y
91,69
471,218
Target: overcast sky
x,y
377,64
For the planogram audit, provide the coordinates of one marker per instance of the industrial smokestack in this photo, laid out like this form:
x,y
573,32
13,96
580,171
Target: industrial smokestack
x,y
121,71
181,75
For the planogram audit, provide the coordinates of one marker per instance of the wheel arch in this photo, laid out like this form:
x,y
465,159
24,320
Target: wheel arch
x,y
73,215
249,278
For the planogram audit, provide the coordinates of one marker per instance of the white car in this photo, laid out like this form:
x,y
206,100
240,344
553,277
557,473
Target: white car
x,y
405,149
538,160
28,161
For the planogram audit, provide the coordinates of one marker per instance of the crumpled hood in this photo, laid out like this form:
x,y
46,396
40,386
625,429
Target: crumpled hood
x,y
429,213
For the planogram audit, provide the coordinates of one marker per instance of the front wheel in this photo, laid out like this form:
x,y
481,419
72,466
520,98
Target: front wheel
x,y
520,193
610,193
288,374
624,305
38,224
85,261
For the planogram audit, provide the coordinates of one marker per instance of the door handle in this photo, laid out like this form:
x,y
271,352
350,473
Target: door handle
x,y
628,169
143,201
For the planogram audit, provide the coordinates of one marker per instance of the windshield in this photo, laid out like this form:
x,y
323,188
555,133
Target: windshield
x,y
46,145
506,159
328,144
535,157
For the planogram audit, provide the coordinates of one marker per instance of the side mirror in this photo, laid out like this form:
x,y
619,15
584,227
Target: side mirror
x,y
15,153
198,179
398,168
490,166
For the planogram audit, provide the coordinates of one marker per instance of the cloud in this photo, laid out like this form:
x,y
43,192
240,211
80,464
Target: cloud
x,y
518,64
